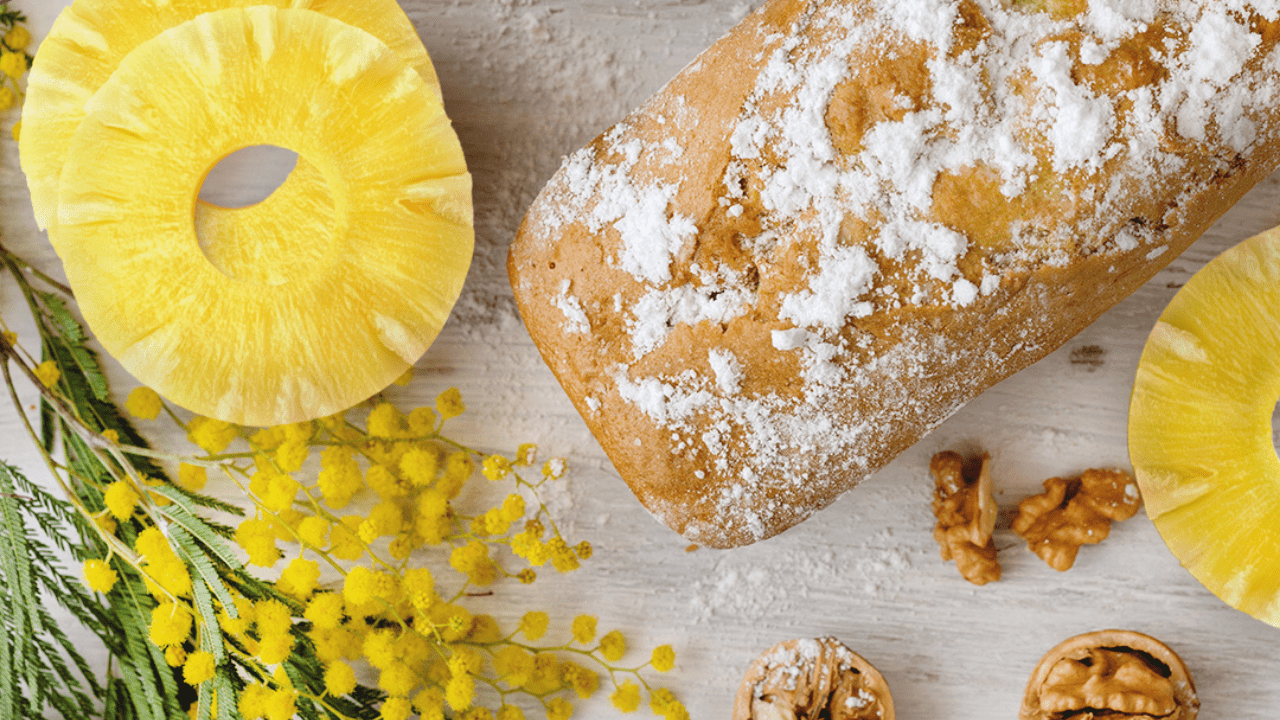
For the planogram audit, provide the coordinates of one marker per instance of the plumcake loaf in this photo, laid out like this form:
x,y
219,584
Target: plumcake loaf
x,y
845,219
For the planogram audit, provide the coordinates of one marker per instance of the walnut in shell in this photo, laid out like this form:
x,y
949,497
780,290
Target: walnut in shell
x,y
812,679
1110,675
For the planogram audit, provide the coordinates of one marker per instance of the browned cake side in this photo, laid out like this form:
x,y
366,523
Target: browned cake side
x,y
846,219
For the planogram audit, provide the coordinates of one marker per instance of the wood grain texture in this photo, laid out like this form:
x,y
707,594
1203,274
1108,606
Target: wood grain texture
x,y
527,82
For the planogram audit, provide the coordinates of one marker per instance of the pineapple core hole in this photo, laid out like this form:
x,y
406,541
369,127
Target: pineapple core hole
x,y
248,176
1275,428
267,216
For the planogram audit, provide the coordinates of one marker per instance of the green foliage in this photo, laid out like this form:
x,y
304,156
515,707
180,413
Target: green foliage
x,y
34,651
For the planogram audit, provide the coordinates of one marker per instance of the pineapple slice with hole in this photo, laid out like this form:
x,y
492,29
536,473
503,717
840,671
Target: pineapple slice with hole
x,y
338,315
86,45
1200,435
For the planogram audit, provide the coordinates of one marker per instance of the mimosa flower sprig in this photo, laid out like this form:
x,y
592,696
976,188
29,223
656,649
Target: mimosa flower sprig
x,y
171,592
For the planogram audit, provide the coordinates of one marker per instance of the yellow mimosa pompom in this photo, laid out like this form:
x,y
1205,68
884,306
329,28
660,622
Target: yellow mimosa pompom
x,y
364,586
430,702
386,483
419,466
292,455
275,649
121,500
325,611
192,477
274,617
527,454
404,379
613,646
212,436
559,709
663,659
144,403
534,624
313,531
299,432
280,493
253,700
386,421
449,404
513,508
584,628
554,469
562,556
384,519
626,697
419,587
175,655
99,576
422,421
18,38
473,561
397,709
339,678
398,679
300,577
152,545
198,668
344,544
172,575
340,477
13,64
170,624
48,373
280,705
460,691
496,467
514,665
258,539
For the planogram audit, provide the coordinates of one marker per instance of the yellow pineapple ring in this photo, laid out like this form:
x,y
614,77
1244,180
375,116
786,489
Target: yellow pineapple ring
x,y
352,308
86,45
1200,435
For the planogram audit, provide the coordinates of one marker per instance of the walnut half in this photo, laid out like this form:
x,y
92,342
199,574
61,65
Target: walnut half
x,y
812,679
966,512
1110,675
1075,512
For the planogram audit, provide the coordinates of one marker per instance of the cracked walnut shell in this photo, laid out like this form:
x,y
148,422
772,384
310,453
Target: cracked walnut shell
x,y
811,679
1110,675
1075,512
966,512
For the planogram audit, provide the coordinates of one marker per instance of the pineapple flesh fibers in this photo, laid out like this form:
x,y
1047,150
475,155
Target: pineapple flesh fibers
x,y
91,37
339,315
1200,435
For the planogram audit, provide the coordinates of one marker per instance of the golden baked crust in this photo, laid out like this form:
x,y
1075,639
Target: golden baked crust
x,y
846,219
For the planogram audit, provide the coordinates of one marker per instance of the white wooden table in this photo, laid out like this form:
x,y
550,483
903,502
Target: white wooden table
x,y
528,81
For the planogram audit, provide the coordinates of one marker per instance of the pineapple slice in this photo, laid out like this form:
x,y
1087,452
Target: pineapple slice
x,y
91,37
1200,435
338,315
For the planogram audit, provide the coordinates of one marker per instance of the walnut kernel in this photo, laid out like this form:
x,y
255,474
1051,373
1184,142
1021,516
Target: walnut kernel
x,y
811,679
1075,512
1111,674
966,512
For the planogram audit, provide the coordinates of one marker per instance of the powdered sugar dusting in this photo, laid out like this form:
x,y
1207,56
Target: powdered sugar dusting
x,y
859,118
